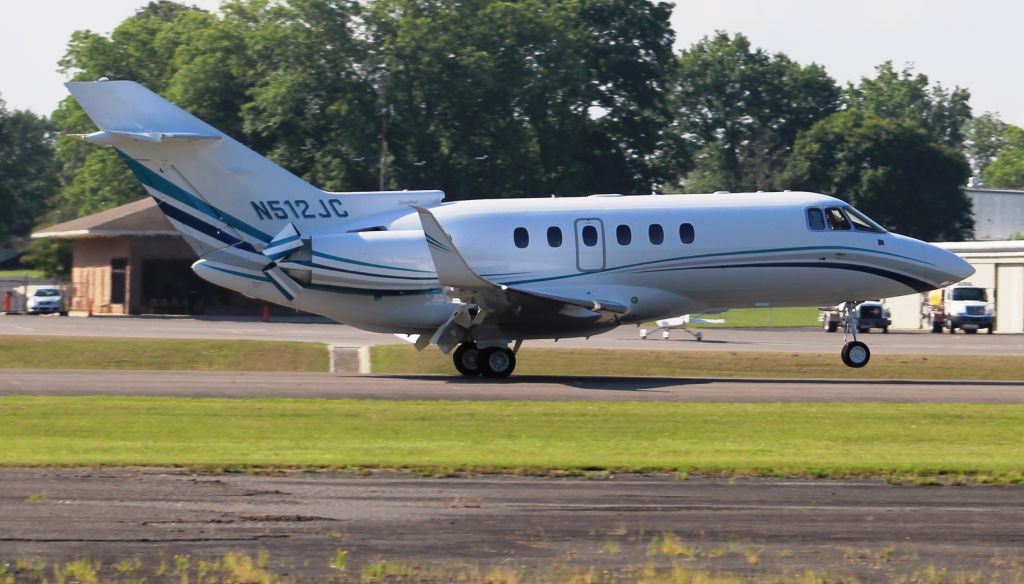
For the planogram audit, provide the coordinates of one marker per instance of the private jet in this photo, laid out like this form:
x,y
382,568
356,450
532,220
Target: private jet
x,y
482,276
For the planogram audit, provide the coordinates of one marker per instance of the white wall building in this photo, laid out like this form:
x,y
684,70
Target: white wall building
x,y
998,213
1000,269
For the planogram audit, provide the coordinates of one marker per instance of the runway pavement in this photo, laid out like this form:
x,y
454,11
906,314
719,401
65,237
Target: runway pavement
x,y
528,388
808,340
863,529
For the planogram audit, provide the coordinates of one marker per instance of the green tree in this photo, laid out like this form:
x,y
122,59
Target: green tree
x,y
1007,170
907,96
27,171
149,47
892,170
742,109
984,140
534,97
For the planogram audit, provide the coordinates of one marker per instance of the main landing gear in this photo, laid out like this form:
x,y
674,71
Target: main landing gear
x,y
855,353
494,362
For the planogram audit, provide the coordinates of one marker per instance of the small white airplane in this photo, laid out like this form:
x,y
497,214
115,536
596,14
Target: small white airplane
x,y
479,276
680,322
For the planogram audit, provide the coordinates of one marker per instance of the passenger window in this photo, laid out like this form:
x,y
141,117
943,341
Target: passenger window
x,y
623,234
554,237
836,220
656,233
589,236
521,237
686,233
815,220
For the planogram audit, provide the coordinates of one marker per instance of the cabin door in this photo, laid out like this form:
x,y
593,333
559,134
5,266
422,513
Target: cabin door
x,y
589,245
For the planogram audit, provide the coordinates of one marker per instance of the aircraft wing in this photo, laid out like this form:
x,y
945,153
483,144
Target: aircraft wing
x,y
499,303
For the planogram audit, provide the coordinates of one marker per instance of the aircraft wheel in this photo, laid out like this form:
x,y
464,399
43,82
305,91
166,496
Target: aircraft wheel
x,y
467,358
855,354
496,362
643,333
699,335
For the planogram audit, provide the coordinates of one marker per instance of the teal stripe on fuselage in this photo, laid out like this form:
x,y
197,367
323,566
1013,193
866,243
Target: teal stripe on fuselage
x,y
710,255
166,187
367,264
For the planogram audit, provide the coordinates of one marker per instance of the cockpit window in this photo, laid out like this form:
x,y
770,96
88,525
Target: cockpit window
x,y
815,220
861,222
836,220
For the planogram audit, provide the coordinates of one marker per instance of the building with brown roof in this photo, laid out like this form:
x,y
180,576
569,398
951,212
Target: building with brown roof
x,y
130,260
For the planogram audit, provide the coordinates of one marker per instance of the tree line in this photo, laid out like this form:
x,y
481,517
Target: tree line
x,y
489,98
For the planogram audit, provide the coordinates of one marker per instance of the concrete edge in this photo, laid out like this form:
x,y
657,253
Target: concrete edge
x,y
346,360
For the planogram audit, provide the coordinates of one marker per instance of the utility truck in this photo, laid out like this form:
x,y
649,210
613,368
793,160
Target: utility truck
x,y
867,315
961,306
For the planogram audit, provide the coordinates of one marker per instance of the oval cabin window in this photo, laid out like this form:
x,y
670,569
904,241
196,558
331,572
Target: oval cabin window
x,y
623,234
521,237
554,237
656,233
686,233
589,236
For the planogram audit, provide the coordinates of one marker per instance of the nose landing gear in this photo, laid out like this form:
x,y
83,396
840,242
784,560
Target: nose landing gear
x,y
855,353
493,362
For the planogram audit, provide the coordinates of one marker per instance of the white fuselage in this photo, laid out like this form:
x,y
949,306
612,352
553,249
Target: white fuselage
x,y
747,250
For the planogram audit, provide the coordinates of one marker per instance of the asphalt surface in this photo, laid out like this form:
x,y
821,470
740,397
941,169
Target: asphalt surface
x,y
809,340
529,388
444,529
860,528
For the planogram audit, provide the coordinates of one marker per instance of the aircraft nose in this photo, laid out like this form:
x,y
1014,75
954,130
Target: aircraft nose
x,y
949,263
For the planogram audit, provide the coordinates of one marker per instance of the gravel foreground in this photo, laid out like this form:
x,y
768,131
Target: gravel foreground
x,y
320,526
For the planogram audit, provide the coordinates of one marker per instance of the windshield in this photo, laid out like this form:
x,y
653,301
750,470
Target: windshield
x,y
861,222
47,292
977,294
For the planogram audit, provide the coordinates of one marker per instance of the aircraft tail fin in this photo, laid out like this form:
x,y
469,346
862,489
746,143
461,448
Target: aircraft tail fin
x,y
218,193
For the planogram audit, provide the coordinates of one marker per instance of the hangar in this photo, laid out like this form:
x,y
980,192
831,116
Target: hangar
x,y
1000,269
130,260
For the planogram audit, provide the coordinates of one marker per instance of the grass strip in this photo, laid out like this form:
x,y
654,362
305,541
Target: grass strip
x,y
663,363
806,316
49,352
833,439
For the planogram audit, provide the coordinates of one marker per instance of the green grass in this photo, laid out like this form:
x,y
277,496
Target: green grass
x,y
765,317
671,363
38,274
791,439
47,352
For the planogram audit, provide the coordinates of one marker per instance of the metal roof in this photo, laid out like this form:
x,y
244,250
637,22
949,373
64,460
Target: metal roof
x,y
137,219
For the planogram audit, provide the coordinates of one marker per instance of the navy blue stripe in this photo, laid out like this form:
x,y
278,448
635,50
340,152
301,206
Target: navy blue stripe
x,y
910,282
368,264
166,187
203,227
333,269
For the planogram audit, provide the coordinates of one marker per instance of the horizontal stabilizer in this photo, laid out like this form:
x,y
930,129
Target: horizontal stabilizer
x,y
112,137
284,243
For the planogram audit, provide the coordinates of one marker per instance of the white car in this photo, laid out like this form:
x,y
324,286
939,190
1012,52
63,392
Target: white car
x,y
45,300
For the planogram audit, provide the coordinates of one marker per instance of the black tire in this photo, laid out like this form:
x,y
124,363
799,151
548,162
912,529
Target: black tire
x,y
968,331
937,327
990,329
496,362
885,330
466,359
831,326
952,329
855,354
863,330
